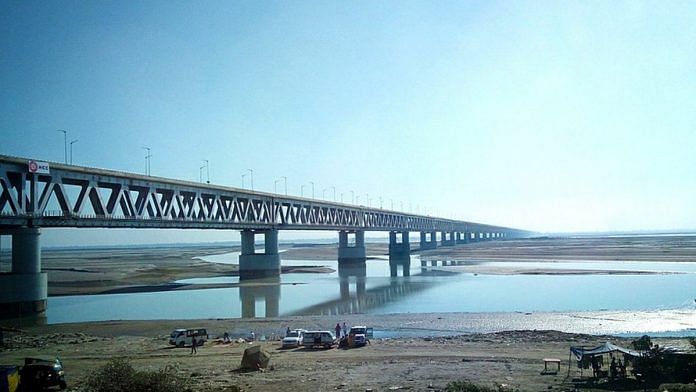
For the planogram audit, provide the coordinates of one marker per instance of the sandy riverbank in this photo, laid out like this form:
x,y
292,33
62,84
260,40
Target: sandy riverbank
x,y
418,363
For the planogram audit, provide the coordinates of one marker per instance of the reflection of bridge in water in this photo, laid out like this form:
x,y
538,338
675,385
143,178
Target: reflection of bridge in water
x,y
350,276
361,299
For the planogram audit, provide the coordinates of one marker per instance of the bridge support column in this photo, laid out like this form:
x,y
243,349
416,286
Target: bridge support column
x,y
426,244
24,291
259,265
351,253
462,238
399,253
445,241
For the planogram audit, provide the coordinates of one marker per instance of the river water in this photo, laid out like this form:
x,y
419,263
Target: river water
x,y
667,298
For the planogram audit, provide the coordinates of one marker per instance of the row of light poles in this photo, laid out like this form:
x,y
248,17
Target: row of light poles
x,y
65,145
355,199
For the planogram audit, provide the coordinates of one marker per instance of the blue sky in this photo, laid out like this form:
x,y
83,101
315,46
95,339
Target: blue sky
x,y
551,116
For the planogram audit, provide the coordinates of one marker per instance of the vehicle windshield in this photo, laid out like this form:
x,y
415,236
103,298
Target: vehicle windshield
x,y
293,334
357,331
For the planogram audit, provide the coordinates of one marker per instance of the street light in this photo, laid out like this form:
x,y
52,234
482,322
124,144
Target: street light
x,y
200,173
147,161
285,181
71,144
312,182
275,186
251,177
243,175
380,202
65,144
334,193
352,197
207,169
341,197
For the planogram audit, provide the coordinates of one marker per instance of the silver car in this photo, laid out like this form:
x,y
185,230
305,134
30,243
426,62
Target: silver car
x,y
293,339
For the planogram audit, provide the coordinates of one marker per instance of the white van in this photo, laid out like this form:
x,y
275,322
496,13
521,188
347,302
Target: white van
x,y
183,337
324,339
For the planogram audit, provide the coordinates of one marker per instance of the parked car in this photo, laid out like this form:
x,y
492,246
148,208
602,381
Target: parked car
x,y
184,337
359,336
293,339
38,374
324,339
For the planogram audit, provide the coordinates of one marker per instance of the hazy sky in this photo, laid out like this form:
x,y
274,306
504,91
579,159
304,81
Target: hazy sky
x,y
550,116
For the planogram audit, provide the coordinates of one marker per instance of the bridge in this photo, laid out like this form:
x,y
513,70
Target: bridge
x,y
35,195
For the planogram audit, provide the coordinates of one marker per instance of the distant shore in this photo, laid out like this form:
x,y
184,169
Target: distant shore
x,y
124,270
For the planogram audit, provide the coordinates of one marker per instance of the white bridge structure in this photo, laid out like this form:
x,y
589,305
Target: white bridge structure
x,y
35,195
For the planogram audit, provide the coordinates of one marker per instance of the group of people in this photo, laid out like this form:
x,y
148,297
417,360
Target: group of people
x,y
341,332
617,368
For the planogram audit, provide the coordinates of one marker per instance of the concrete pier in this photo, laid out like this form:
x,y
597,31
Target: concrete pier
x,y
263,264
351,252
447,238
23,291
399,244
428,244
462,238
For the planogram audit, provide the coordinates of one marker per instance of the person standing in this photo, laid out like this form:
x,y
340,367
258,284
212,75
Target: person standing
x,y
193,345
345,329
338,330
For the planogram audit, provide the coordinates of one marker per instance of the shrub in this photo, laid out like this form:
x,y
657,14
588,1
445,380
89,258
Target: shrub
x,y
468,386
119,376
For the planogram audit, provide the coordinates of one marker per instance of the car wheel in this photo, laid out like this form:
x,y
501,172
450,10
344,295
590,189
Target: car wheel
x,y
63,385
200,342
180,345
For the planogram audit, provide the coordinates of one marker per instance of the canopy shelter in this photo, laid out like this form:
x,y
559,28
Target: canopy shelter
x,y
593,356
605,348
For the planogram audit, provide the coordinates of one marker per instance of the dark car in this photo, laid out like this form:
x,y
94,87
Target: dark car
x,y
38,374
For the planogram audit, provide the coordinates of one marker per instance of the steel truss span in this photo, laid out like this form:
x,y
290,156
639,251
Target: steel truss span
x,y
74,196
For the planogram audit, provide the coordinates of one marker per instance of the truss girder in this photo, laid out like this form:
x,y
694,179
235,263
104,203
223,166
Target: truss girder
x,y
72,196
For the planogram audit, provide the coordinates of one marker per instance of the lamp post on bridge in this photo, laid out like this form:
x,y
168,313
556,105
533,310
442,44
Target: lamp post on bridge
x,y
251,177
65,144
147,160
341,197
334,193
200,173
352,197
285,181
207,170
71,144
275,186
243,175
312,182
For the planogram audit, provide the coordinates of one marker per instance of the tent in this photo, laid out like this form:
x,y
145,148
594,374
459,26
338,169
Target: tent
x,y
605,348
255,358
586,355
